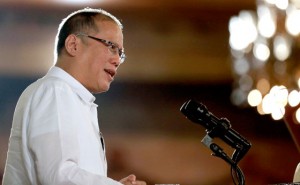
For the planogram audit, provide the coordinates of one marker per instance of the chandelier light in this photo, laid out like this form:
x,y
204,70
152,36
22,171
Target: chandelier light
x,y
265,51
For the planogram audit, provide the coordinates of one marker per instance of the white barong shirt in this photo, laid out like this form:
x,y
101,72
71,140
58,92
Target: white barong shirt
x,y
55,136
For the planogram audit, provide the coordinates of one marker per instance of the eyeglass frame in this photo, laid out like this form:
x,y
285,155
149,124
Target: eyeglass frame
x,y
108,44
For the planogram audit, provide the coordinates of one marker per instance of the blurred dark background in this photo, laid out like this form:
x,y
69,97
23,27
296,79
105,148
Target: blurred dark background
x,y
177,50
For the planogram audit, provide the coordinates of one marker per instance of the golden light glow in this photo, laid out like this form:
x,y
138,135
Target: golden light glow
x,y
282,48
292,24
254,98
265,65
294,98
260,109
278,113
261,51
263,86
267,104
298,115
239,26
266,21
282,4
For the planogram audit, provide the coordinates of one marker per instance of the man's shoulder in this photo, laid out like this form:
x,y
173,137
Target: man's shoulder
x,y
48,82
52,82
45,86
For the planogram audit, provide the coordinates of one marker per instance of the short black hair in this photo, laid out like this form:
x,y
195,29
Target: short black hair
x,y
80,21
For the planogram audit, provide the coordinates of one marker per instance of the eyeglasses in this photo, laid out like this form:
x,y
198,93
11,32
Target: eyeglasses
x,y
113,48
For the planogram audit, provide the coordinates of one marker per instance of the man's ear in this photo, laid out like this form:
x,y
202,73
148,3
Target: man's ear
x,y
71,44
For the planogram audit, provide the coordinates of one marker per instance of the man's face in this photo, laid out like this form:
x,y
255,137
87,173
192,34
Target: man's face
x,y
98,62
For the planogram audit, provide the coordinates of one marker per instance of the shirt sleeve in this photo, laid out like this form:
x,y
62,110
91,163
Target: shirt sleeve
x,y
53,139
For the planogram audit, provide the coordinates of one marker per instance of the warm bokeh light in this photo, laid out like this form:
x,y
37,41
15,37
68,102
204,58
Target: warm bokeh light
x,y
294,98
260,109
296,3
282,4
266,21
280,94
271,1
261,51
269,61
282,47
298,115
254,98
292,23
274,102
263,86
267,104
239,26
278,113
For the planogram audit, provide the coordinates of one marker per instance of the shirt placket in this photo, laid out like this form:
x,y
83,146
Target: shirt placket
x,y
103,144
101,138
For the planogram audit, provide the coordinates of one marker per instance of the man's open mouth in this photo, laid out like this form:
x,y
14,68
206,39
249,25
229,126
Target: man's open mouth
x,y
112,73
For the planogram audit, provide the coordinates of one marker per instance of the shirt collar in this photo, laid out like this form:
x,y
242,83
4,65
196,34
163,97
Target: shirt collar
x,y
78,88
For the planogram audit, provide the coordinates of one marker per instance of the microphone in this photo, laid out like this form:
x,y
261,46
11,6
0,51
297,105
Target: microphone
x,y
216,127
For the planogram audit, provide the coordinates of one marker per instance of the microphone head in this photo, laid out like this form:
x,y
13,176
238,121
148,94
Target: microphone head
x,y
215,127
196,112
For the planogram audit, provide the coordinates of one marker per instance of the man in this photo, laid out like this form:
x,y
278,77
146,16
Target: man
x,y
55,138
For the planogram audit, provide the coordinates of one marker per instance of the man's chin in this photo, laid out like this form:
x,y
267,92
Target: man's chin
x,y
102,90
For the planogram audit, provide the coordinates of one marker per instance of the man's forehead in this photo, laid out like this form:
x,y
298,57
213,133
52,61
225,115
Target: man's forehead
x,y
107,25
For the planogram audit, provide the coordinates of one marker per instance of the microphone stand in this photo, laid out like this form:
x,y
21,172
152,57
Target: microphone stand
x,y
218,152
219,127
